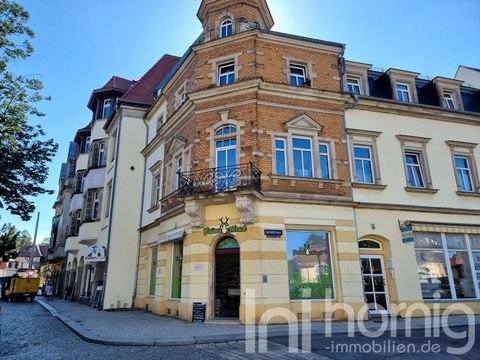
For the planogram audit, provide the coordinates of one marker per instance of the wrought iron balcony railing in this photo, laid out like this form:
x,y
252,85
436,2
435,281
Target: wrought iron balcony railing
x,y
221,179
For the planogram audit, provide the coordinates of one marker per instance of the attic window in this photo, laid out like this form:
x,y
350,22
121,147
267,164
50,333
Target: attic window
x,y
297,75
107,108
226,28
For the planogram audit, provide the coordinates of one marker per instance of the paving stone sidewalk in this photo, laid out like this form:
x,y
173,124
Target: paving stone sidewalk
x,y
136,327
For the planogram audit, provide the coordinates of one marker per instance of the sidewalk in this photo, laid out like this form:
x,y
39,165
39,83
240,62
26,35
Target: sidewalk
x,y
136,327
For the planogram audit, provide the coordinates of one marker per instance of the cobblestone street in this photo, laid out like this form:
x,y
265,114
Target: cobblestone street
x,y
30,332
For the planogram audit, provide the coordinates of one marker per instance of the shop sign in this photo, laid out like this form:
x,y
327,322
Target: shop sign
x,y
273,233
407,231
224,228
307,251
96,254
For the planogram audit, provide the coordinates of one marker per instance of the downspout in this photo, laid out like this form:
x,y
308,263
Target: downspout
x,y
135,285
341,69
110,217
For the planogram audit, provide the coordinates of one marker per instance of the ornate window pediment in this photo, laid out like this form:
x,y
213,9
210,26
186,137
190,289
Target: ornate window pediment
x,y
177,143
303,122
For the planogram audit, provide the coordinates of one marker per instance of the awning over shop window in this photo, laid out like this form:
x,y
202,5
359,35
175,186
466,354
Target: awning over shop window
x,y
446,228
176,236
96,254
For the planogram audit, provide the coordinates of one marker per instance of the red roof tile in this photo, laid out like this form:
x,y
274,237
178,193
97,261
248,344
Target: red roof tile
x,y
143,91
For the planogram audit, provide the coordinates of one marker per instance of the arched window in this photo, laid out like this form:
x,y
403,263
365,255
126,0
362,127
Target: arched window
x,y
226,130
368,244
228,243
226,28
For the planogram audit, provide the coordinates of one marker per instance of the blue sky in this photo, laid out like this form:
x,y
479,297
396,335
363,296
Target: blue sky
x,y
80,44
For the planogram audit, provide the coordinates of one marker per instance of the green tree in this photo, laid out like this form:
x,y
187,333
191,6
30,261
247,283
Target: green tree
x,y
24,239
8,242
25,154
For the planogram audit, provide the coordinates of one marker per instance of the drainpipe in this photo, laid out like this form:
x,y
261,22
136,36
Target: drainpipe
x,y
110,217
135,285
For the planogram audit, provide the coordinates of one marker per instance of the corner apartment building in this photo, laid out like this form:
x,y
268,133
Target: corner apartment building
x,y
414,147
247,183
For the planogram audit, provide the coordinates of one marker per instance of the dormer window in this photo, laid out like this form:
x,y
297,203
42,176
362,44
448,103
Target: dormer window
x,y
297,75
448,100
107,108
403,92
226,28
353,84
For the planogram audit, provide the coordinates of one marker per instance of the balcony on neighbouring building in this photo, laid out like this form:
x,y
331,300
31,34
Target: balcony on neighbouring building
x,y
220,179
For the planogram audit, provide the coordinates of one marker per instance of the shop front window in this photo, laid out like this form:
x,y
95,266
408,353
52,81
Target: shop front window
x,y
177,270
444,266
309,265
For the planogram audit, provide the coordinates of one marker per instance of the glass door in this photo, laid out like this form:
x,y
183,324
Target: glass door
x,y
374,283
226,154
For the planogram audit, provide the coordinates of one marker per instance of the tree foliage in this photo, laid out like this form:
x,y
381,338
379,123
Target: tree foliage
x,y
25,154
8,242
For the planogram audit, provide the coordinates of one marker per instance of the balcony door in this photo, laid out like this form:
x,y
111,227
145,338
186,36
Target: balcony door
x,y
226,158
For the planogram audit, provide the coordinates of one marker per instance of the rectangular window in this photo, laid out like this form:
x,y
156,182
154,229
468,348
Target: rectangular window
x,y
177,259
96,205
109,199
297,75
302,157
363,164
464,175
445,267
310,274
101,155
88,142
280,156
107,108
414,170
226,73
324,161
448,100
403,92
156,189
353,84
179,169
153,271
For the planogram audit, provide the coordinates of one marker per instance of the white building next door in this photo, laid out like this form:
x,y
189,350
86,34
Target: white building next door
x,y
375,287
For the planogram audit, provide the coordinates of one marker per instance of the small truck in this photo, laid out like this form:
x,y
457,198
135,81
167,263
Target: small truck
x,y
19,288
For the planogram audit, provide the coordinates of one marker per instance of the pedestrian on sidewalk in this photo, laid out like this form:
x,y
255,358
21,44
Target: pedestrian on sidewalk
x,y
49,291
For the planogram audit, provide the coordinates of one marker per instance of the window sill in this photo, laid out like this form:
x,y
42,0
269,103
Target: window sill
x,y
301,178
468,193
421,190
153,208
368,186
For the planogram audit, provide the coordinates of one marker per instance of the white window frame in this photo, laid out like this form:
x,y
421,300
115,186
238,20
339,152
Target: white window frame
x,y
472,269
107,103
297,76
302,151
284,150
226,24
357,83
419,166
88,143
449,100
227,74
327,154
363,160
467,169
403,92
101,154
95,205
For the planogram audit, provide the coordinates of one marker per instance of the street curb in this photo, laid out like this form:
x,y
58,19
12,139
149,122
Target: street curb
x,y
89,336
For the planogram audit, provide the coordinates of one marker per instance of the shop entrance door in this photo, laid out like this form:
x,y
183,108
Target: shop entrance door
x,y
227,279
374,283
